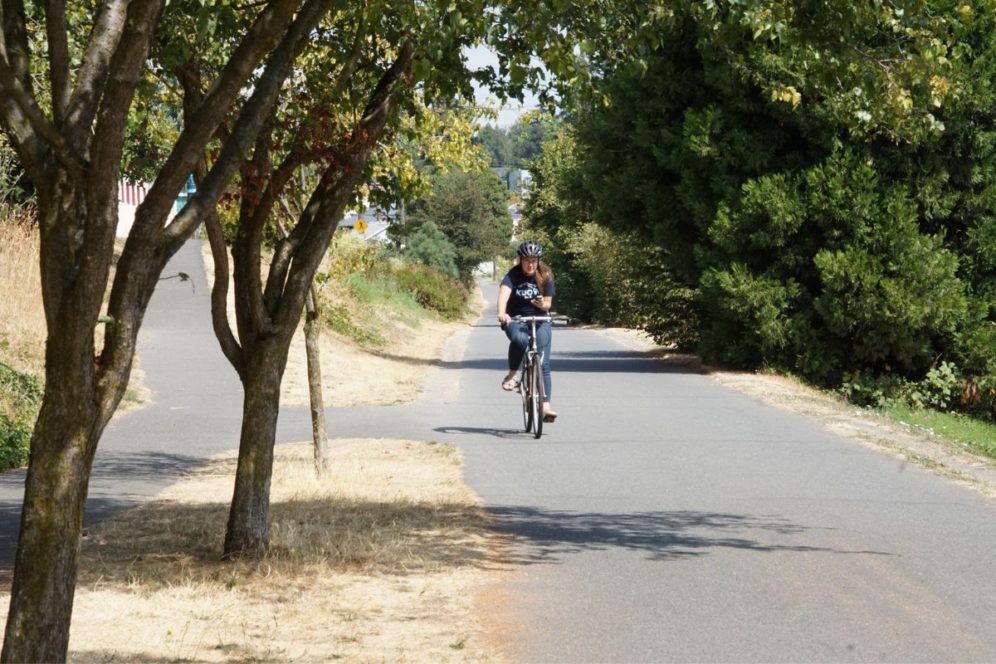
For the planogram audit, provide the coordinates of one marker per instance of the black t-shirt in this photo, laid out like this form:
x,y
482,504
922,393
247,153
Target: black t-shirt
x,y
524,289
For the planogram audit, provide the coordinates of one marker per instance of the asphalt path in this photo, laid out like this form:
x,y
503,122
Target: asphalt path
x,y
663,517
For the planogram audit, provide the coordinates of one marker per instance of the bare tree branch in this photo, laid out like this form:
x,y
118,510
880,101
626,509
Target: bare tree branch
x,y
354,57
29,125
255,211
15,49
123,74
219,296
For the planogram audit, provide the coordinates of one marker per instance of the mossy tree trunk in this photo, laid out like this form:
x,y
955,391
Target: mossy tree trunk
x,y
248,520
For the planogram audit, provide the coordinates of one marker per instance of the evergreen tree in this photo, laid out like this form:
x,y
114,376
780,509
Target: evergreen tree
x,y
430,246
471,209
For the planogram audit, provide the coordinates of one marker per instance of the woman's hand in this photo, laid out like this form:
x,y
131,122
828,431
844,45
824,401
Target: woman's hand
x,y
504,319
539,303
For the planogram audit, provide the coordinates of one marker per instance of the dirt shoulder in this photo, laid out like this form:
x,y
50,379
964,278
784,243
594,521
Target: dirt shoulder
x,y
859,425
352,376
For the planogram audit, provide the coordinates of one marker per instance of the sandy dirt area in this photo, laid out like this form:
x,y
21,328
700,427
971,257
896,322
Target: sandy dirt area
x,y
352,376
380,561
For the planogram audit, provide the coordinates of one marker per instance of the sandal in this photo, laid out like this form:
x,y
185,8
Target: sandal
x,y
549,416
510,383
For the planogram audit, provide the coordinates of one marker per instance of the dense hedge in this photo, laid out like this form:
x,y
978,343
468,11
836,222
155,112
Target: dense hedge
x,y
827,218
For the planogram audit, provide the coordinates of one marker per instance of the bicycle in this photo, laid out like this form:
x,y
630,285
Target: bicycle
x,y
531,380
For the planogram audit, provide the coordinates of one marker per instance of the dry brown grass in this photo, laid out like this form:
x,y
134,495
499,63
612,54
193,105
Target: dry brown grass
x,y
22,313
378,562
354,376
22,318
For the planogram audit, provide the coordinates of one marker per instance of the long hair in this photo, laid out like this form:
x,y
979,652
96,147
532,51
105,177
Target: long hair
x,y
543,276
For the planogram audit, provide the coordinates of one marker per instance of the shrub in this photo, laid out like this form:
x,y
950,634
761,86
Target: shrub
x,y
433,290
20,398
350,255
429,246
15,442
943,388
939,390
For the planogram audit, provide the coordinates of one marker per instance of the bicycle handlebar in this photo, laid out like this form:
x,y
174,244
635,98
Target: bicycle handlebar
x,y
530,319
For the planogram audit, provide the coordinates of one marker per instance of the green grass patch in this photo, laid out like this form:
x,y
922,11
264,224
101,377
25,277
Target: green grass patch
x,y
380,293
367,307
342,320
432,290
975,434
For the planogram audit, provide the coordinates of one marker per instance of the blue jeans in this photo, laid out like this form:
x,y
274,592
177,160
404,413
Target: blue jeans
x,y
518,334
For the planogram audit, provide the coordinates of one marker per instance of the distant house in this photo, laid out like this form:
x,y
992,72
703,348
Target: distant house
x,y
376,222
515,211
130,194
518,180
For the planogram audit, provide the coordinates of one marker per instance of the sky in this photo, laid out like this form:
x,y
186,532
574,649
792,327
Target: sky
x,y
481,56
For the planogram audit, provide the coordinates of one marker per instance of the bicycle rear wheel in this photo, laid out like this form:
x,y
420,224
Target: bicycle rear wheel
x,y
525,391
537,398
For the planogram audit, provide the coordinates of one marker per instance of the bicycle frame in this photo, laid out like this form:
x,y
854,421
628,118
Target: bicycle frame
x,y
531,380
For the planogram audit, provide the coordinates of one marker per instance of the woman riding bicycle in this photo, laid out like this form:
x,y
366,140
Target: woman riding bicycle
x,y
527,290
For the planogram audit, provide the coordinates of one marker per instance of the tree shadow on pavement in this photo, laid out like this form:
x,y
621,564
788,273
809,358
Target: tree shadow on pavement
x,y
547,536
134,477
599,361
142,467
486,431
169,543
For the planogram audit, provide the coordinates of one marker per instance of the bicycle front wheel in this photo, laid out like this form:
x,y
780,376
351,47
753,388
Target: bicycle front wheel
x,y
526,391
537,398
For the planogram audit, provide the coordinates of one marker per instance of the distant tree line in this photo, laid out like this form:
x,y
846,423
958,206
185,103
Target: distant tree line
x,y
515,146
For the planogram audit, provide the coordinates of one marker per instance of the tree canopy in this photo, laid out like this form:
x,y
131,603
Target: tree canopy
x,y
516,146
820,175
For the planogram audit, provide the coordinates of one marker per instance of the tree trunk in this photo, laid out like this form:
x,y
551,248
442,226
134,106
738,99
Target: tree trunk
x,y
47,557
74,412
248,532
312,334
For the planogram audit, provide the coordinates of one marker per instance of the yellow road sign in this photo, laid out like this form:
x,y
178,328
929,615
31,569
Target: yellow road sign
x,y
360,226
